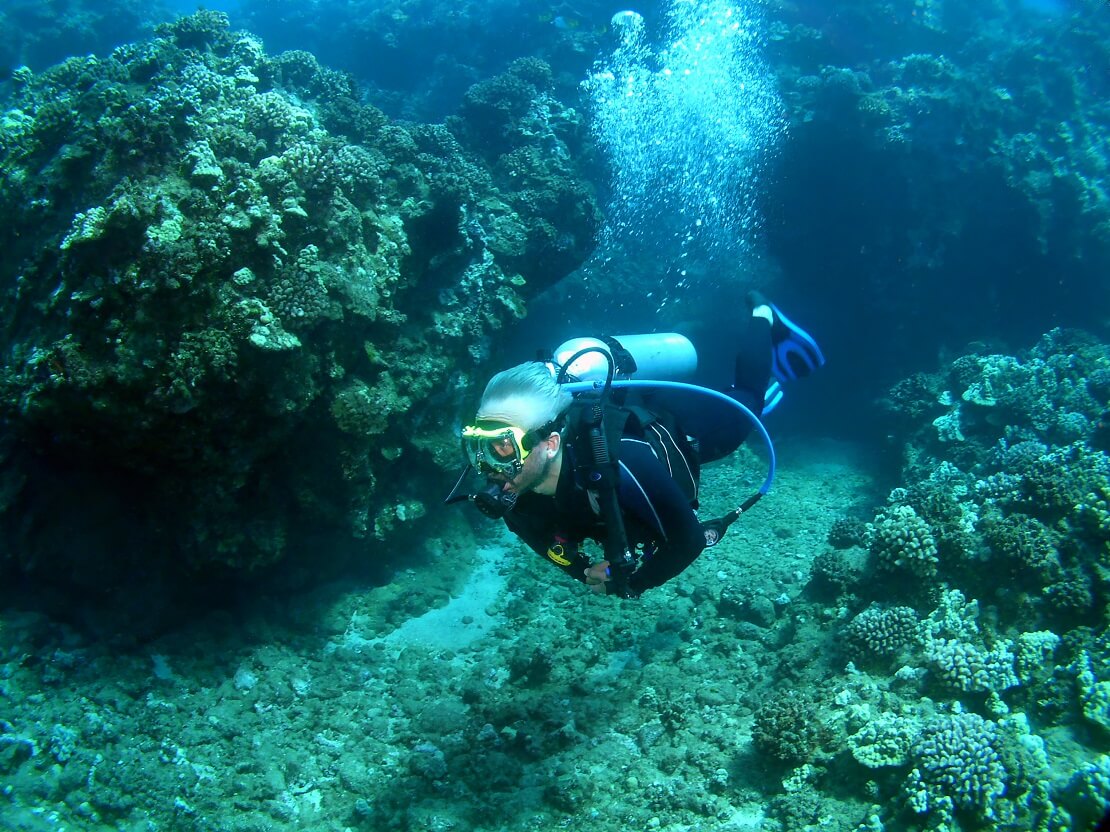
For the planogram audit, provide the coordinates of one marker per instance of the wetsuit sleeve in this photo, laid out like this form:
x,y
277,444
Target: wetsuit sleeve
x,y
655,501
553,548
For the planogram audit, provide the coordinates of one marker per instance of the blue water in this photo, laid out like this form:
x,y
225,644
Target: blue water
x,y
258,266
1048,7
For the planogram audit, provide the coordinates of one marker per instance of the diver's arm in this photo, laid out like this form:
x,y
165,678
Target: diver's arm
x,y
556,550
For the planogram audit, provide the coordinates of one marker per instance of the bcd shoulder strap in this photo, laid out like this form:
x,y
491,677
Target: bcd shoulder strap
x,y
657,428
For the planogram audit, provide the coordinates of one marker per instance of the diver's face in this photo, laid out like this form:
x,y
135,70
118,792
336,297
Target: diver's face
x,y
535,469
540,468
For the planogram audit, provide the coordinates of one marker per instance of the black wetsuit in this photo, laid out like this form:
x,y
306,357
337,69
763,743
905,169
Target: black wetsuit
x,y
660,523
659,518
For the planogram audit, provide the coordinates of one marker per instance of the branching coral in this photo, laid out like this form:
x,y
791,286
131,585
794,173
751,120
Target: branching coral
x,y
968,667
885,741
878,633
902,541
958,764
958,767
954,648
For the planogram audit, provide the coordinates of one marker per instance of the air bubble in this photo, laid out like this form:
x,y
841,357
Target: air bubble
x,y
686,130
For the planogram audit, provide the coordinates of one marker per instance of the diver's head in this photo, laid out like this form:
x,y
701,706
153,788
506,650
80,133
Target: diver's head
x,y
516,437
525,395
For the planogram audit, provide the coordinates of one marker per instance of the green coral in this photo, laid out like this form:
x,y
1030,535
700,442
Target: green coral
x,y
1026,542
1061,482
831,571
362,410
497,107
203,231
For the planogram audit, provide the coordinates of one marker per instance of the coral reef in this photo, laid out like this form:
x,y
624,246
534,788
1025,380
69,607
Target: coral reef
x,y
965,763
210,249
785,730
241,307
1009,489
996,203
477,693
998,527
847,532
832,571
878,633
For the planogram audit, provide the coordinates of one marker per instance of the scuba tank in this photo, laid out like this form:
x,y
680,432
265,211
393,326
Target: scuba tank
x,y
656,355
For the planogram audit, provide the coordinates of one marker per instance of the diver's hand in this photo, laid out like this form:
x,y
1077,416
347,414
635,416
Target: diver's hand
x,y
597,575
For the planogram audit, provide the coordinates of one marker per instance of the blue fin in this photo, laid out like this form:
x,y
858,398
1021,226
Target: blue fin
x,y
794,353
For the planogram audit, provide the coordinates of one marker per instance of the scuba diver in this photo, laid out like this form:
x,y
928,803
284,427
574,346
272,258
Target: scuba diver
x,y
569,459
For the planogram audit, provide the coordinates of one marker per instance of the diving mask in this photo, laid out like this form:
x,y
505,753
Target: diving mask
x,y
497,450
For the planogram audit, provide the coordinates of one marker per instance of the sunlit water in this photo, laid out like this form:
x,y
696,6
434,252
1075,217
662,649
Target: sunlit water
x,y
687,126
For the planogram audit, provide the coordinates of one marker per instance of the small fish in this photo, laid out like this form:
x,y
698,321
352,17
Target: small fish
x,y
563,16
560,21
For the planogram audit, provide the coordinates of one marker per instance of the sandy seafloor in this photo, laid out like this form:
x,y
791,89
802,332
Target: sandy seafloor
x,y
480,691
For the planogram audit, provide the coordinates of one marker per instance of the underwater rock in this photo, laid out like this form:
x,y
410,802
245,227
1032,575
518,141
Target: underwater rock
x,y
230,285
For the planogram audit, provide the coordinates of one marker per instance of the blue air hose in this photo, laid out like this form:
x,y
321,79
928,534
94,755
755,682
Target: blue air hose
x,y
581,386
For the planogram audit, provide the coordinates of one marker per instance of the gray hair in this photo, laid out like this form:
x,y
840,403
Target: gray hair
x,y
525,395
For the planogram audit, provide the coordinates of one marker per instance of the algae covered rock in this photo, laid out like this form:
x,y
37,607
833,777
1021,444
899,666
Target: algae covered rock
x,y
232,292
785,730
